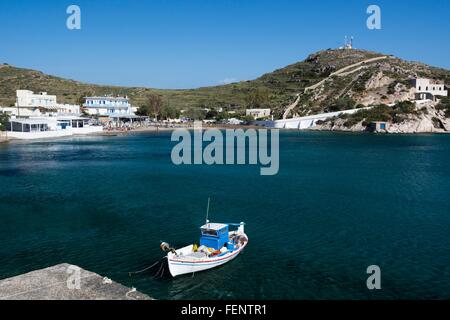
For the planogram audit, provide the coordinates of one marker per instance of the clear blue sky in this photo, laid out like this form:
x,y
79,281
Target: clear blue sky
x,y
192,43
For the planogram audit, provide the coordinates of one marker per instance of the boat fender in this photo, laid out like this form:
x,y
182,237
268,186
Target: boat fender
x,y
166,247
215,253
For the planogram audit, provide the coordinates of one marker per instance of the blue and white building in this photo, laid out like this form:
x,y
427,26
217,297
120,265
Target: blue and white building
x,y
108,106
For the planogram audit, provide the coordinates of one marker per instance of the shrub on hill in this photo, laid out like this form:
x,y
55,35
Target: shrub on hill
x,y
444,105
396,114
4,118
344,103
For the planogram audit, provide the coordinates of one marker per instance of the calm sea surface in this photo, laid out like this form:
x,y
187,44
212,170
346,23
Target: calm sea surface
x,y
340,203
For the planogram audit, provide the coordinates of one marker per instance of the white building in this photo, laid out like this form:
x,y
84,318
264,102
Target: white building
x,y
10,111
258,113
68,108
49,127
108,106
30,104
29,99
37,116
428,89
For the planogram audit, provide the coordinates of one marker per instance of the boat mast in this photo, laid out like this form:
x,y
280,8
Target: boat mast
x,y
207,211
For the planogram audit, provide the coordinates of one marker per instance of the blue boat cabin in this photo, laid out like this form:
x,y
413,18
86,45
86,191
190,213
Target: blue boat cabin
x,y
214,235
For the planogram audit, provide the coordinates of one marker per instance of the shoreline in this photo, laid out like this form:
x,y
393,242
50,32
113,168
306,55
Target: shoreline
x,y
377,133
155,129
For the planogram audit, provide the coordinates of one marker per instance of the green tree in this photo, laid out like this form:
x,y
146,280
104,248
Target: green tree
x,y
81,100
4,118
258,98
247,119
153,107
143,110
211,114
222,116
195,114
168,112
155,104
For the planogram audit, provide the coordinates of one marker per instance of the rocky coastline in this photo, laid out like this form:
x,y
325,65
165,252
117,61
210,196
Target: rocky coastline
x,y
429,120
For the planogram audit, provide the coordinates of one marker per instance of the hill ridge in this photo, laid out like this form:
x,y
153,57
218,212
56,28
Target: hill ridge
x,y
281,87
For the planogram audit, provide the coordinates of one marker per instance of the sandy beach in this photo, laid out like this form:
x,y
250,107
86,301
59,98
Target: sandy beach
x,y
155,129
3,137
171,128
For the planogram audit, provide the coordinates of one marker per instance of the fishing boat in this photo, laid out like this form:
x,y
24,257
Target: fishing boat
x,y
218,245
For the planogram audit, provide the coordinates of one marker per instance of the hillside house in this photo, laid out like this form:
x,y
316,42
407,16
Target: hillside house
x,y
429,89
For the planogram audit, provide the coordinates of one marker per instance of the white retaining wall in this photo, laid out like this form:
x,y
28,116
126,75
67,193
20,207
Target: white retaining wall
x,y
305,122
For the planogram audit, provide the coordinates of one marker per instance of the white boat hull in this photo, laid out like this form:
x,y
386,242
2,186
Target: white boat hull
x,y
179,264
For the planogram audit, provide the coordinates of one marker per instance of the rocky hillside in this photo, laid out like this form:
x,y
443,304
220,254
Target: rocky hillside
x,y
328,80
403,117
384,81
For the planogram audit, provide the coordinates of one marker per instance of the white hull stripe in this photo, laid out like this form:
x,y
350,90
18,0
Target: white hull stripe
x,y
181,262
196,264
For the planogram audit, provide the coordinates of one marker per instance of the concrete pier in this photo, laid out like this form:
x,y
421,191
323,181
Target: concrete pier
x,y
65,282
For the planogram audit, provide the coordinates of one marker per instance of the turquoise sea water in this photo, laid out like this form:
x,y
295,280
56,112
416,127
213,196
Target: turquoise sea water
x,y
340,203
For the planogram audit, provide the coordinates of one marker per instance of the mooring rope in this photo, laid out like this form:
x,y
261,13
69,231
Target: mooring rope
x,y
162,273
148,268
160,268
